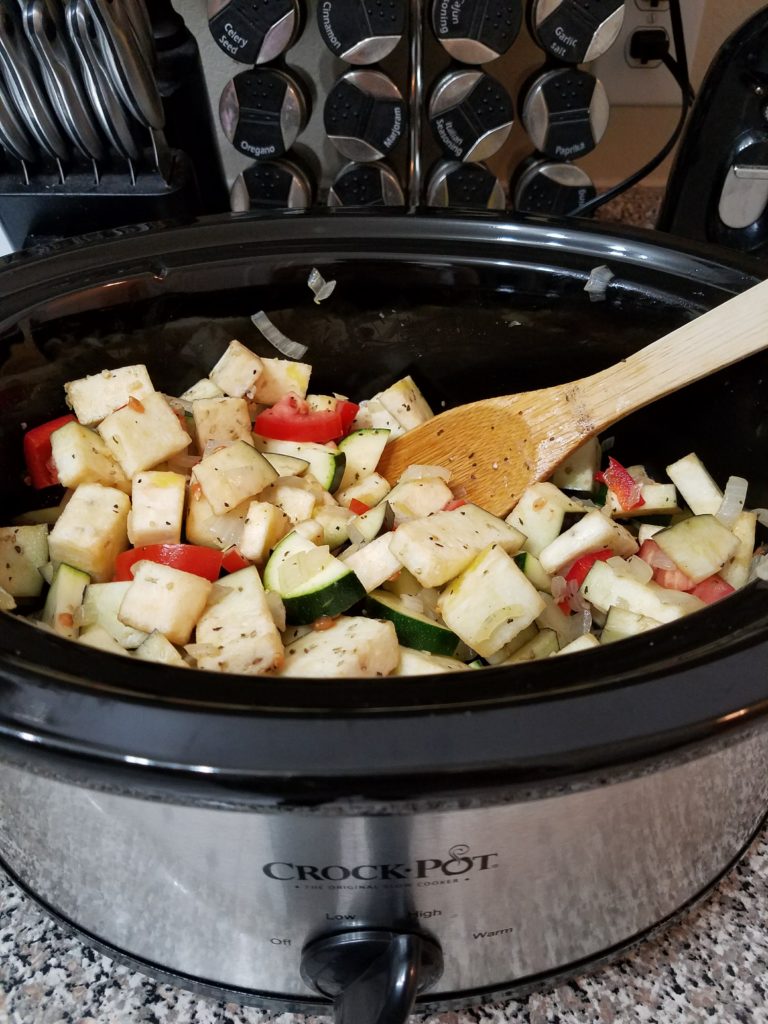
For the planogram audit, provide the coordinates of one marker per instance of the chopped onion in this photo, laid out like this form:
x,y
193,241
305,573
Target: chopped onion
x,y
319,285
598,282
559,588
639,569
759,568
607,444
183,462
416,472
227,530
290,349
412,602
734,496
299,568
196,651
762,515
213,444
276,608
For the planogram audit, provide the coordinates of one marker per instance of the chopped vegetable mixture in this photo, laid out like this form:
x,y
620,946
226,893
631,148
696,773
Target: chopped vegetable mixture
x,y
242,527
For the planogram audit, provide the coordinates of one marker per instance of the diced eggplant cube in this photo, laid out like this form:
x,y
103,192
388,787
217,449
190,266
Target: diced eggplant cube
x,y
221,419
94,397
280,377
92,530
142,436
265,524
236,632
157,511
238,370
81,457
166,599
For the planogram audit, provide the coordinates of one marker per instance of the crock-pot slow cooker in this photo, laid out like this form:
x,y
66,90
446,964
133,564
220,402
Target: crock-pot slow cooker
x,y
296,843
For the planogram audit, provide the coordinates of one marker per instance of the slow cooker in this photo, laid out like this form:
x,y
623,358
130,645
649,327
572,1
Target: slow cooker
x,y
374,845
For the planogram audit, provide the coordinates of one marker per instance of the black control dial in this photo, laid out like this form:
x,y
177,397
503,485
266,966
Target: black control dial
x,y
262,111
253,33
575,31
565,112
364,115
361,31
271,185
547,186
373,184
464,186
476,31
471,114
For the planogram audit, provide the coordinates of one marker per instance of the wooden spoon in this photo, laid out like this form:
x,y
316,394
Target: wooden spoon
x,y
496,447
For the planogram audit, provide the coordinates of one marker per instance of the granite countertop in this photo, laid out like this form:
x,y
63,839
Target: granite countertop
x,y
709,966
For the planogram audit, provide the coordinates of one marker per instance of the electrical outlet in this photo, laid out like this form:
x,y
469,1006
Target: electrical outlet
x,y
629,84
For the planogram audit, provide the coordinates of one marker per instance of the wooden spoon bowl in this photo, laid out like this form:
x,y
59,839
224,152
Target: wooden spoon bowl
x,y
497,447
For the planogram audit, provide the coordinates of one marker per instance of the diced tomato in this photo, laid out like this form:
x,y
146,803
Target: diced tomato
x,y
622,484
233,561
451,506
712,589
37,452
665,572
358,507
347,410
291,419
672,579
192,558
578,571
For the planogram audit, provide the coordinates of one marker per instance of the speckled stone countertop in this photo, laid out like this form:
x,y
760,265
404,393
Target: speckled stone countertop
x,y
711,966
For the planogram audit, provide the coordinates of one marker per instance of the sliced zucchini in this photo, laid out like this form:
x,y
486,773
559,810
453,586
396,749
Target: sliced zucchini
x,y
159,648
370,524
422,663
531,566
623,622
362,449
326,462
23,552
101,605
581,643
99,638
413,628
287,465
699,546
541,646
63,599
310,580
334,521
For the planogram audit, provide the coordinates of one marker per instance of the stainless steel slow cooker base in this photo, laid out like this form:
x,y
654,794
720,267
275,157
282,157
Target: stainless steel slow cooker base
x,y
511,892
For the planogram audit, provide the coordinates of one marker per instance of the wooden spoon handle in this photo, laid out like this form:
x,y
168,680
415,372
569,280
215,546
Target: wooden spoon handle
x,y
721,336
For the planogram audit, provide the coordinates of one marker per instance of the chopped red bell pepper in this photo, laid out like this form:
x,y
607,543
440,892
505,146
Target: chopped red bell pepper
x,y
579,570
358,507
192,558
622,484
712,589
37,452
291,419
233,561
451,506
